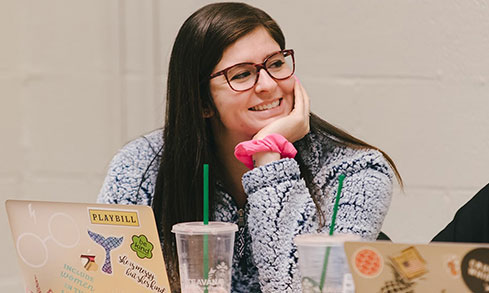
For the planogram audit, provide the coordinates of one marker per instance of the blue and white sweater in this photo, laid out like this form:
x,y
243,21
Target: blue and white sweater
x,y
279,205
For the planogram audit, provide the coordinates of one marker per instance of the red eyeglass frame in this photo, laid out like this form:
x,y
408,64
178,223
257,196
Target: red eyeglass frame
x,y
259,67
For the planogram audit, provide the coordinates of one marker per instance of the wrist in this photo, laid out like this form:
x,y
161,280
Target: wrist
x,y
273,147
263,158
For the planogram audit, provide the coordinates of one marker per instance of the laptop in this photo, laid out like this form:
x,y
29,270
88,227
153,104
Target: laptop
x,y
386,267
80,247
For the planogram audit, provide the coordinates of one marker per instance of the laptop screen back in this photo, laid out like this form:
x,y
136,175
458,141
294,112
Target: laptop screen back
x,y
384,266
78,247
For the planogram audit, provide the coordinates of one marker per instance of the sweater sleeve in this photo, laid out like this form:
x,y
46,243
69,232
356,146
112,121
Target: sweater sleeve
x,y
363,205
131,175
280,208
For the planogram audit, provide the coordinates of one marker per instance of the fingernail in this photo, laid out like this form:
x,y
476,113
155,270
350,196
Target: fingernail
x,y
296,78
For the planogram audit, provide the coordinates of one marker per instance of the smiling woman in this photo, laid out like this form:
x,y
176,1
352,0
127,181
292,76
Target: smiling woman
x,y
231,83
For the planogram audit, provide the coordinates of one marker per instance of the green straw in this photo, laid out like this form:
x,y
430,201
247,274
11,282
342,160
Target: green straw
x,y
206,222
337,201
206,262
206,194
331,229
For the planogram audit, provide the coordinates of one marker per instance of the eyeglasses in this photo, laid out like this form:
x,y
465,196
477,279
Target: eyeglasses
x,y
243,76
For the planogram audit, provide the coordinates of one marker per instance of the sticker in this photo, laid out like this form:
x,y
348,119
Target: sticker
x,y
409,263
368,262
33,249
398,283
475,270
76,280
142,247
452,266
88,262
113,217
108,244
141,275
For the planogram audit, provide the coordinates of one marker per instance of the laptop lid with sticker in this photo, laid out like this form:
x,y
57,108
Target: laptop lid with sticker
x,y
79,247
383,267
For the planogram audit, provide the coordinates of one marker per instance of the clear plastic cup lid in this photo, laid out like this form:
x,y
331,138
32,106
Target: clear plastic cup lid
x,y
198,228
324,239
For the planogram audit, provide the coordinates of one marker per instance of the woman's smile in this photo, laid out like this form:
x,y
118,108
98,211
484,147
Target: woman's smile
x,y
267,106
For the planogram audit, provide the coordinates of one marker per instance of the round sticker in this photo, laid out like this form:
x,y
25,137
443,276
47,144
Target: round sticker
x,y
368,262
475,270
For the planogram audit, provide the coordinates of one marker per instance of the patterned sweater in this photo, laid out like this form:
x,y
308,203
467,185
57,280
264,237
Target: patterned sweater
x,y
279,205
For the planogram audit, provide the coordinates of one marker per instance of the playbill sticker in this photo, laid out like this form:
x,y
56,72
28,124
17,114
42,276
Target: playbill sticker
x,y
114,217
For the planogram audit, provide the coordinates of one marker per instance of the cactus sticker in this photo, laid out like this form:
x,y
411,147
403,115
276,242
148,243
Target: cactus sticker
x,y
142,247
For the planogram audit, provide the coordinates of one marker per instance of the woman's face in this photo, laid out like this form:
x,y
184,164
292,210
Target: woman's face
x,y
243,114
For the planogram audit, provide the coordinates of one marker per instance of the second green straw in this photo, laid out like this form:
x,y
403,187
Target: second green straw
x,y
331,229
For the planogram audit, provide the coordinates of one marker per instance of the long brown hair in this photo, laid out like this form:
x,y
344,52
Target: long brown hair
x,y
187,137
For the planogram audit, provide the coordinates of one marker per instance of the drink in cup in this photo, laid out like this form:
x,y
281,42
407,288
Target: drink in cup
x,y
205,255
323,264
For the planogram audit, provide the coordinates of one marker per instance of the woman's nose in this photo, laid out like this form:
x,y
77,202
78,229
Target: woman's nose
x,y
265,82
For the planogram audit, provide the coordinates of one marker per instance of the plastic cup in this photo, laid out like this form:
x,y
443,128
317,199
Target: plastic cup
x,y
205,254
312,250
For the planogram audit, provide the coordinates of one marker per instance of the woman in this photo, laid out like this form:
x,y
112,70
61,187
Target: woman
x,y
230,82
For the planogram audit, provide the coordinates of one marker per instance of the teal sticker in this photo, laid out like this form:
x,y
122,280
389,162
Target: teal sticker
x,y
142,247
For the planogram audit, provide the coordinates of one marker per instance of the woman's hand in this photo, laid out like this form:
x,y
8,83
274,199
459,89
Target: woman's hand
x,y
295,125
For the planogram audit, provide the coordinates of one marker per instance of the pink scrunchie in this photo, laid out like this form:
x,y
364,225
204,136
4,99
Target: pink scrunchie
x,y
271,143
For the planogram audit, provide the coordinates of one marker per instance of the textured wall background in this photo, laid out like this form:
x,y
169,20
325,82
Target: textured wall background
x,y
78,79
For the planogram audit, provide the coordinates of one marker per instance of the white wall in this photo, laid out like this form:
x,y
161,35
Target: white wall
x,y
78,79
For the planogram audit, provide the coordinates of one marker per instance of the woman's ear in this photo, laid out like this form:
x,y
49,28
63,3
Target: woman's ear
x,y
208,113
